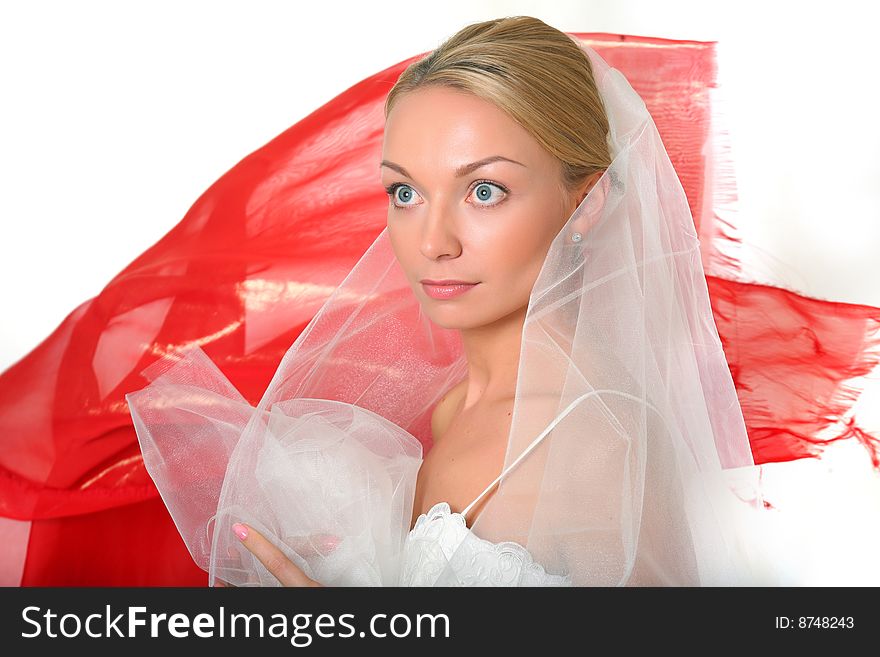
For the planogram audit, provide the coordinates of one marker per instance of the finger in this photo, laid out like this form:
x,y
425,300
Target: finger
x,y
275,561
310,546
305,546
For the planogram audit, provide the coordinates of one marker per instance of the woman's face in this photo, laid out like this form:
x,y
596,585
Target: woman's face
x,y
491,225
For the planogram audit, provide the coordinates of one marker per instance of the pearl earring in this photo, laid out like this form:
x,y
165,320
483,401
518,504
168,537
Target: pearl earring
x,y
576,237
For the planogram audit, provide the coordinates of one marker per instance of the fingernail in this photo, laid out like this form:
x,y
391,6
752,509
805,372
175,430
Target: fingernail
x,y
240,530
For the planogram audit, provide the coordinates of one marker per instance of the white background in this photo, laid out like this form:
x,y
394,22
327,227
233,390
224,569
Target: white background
x,y
116,116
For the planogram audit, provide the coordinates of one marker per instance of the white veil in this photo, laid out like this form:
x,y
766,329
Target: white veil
x,y
635,459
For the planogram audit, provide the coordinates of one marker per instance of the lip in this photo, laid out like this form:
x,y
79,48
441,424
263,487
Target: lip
x,y
445,281
446,289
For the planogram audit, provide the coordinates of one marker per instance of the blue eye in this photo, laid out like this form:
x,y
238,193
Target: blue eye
x,y
483,191
408,192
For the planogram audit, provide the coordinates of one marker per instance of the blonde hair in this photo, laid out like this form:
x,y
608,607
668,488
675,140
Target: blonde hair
x,y
536,74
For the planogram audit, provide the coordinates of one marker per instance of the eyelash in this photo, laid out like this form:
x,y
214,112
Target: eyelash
x,y
390,189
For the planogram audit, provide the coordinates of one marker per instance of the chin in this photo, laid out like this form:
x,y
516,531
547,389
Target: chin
x,y
451,318
447,321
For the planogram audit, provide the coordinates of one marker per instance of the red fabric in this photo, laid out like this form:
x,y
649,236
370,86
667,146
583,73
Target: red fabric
x,y
125,545
791,358
260,251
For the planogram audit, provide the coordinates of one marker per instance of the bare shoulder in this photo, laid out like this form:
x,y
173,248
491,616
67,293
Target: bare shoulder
x,y
443,412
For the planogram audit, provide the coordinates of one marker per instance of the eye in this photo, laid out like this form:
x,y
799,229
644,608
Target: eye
x,y
483,191
406,194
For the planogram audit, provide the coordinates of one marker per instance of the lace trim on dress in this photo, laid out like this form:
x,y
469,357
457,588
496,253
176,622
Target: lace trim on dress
x,y
441,536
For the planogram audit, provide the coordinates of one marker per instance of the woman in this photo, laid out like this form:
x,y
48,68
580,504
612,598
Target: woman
x,y
535,315
466,237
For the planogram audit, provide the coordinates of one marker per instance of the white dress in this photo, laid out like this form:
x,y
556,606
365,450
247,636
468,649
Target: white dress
x,y
441,538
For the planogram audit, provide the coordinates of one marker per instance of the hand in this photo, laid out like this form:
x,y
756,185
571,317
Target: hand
x,y
275,561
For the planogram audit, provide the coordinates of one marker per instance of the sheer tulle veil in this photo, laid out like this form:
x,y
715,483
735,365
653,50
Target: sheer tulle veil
x,y
627,462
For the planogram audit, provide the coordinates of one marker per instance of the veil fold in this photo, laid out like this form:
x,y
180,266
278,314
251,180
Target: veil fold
x,y
638,468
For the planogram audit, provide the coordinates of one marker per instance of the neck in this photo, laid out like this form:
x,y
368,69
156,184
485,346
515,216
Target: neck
x,y
492,353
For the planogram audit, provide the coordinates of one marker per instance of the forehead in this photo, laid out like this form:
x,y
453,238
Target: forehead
x,y
434,121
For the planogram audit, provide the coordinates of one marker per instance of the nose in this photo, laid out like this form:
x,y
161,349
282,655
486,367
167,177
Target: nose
x,y
440,234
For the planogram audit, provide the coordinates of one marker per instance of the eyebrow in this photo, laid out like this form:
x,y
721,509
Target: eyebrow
x,y
463,170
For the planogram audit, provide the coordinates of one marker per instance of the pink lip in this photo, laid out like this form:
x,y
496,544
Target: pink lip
x,y
447,291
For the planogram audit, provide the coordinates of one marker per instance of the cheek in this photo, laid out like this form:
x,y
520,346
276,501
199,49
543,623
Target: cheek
x,y
397,238
404,247
514,256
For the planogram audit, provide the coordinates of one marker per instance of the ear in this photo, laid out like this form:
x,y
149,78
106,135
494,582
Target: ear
x,y
582,223
588,185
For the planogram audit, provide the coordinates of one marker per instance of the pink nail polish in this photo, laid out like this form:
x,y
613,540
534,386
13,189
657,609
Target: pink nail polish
x,y
240,531
330,542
